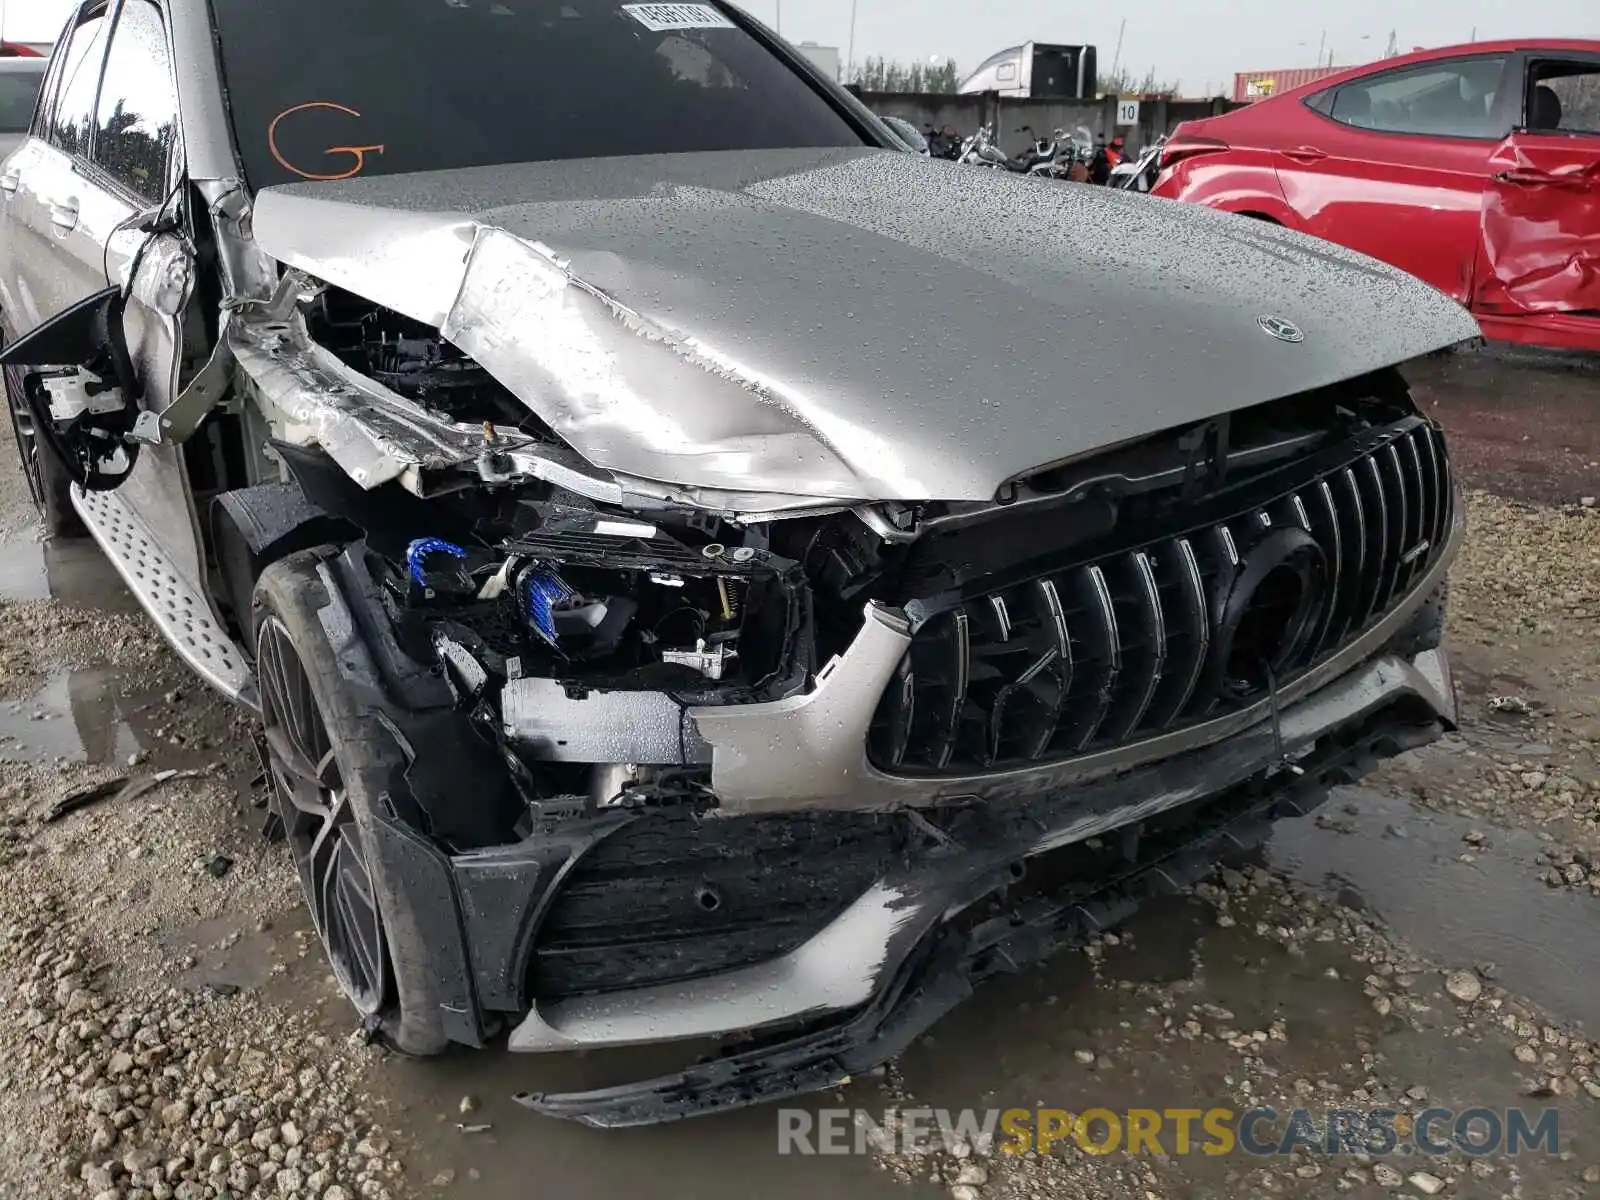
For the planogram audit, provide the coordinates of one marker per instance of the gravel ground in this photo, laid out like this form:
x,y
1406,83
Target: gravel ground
x,y
1407,1033
124,1078
1429,937
1524,621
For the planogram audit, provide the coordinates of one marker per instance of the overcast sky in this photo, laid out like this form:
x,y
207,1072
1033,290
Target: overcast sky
x,y
1196,44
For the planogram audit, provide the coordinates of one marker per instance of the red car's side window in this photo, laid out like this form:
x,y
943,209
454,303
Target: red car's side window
x,y
1459,98
1563,97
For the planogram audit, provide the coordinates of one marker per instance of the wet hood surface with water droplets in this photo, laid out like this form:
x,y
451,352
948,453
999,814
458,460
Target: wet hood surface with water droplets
x,y
856,324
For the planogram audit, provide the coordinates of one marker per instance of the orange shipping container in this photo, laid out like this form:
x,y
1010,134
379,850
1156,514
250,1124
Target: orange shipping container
x,y
1258,85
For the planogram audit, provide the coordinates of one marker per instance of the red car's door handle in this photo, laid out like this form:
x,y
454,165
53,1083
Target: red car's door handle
x,y
1305,154
1577,182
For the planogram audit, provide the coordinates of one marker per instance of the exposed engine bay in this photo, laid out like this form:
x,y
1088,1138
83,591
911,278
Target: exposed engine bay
x,y
411,359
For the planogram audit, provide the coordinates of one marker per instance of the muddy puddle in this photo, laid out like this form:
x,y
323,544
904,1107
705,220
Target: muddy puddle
x,y
732,1157
90,714
73,572
1378,852
74,717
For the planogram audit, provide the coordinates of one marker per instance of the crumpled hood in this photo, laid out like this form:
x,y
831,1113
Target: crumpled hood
x,y
849,324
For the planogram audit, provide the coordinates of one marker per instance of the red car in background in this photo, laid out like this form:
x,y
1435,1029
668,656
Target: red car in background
x,y
1475,168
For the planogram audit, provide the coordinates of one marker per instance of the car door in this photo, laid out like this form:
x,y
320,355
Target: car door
x,y
113,158
1540,246
41,246
134,168
1396,162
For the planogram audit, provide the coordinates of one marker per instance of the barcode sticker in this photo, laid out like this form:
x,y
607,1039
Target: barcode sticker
x,y
660,17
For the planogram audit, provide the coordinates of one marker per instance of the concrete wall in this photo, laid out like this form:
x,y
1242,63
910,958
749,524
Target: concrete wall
x,y
966,113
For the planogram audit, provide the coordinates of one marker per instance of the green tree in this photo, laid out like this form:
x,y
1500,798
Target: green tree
x,y
881,75
1123,81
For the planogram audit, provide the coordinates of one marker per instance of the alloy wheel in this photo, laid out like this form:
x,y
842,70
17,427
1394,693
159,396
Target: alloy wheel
x,y
319,824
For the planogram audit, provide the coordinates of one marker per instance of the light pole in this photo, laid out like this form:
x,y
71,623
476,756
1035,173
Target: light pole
x,y
780,15
850,47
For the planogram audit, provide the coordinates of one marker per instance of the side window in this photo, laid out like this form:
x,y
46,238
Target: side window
x,y
1564,97
1459,98
72,116
136,125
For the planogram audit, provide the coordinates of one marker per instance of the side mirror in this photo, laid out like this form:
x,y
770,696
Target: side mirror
x,y
88,333
83,390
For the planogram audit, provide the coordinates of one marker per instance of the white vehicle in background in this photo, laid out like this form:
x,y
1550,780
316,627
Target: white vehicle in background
x,y
1036,69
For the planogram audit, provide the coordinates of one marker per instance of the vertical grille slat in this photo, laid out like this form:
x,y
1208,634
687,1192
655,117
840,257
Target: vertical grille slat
x,y
959,666
1125,645
1325,526
1441,485
1379,558
1095,683
892,725
1353,601
939,667
1027,708
1414,554
1189,625
1002,616
1144,648
1393,483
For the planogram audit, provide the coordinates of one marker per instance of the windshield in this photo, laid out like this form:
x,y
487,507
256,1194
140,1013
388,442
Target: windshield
x,y
331,89
19,91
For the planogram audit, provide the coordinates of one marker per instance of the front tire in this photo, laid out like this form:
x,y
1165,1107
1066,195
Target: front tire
x,y
330,760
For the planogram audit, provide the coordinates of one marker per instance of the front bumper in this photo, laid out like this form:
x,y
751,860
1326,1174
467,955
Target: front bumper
x,y
899,957
843,1013
854,992
849,961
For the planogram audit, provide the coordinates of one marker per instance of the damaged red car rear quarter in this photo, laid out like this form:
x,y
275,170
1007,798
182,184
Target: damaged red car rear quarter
x,y
1474,167
651,640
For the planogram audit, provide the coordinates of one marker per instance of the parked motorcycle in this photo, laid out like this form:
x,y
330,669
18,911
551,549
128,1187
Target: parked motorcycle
x,y
1064,156
980,150
1139,174
1073,153
943,143
1100,163
1041,157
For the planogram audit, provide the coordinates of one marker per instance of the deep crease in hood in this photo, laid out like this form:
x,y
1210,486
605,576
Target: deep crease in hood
x,y
849,324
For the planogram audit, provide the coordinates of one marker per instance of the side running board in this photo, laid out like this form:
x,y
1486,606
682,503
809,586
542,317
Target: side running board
x,y
183,616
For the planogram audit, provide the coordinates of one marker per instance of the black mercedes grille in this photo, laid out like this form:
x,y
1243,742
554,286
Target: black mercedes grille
x,y
1149,639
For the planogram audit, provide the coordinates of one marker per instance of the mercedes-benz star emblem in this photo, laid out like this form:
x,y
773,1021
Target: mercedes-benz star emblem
x,y
1284,331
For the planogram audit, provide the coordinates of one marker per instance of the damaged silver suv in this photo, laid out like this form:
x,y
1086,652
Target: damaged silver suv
x,y
695,575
